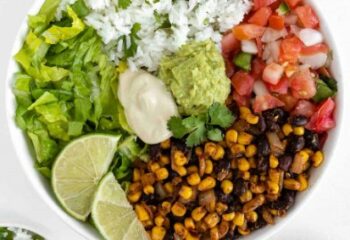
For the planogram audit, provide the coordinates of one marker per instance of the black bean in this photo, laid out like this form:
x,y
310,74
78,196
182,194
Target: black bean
x,y
299,120
258,128
257,225
154,152
312,140
169,234
295,144
277,115
224,198
263,147
222,169
149,199
235,206
285,162
240,187
262,164
285,202
172,173
234,108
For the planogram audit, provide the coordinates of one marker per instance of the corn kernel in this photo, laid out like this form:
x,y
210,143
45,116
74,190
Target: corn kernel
x,y
207,184
244,112
221,208
162,174
134,197
245,138
164,160
191,237
219,154
251,216
239,219
250,151
154,166
299,131
254,203
169,188
210,148
198,151
245,175
180,230
135,187
192,169
243,164
193,179
178,209
148,189
185,192
214,233
252,119
252,162
181,170
180,158
231,136
227,186
309,151
303,182
291,184
159,220
273,187
198,213
166,207
237,149
148,179
317,159
246,197
165,144
189,224
287,129
228,217
212,219
136,175
299,161
273,161
142,213
148,223
244,232
158,233
208,166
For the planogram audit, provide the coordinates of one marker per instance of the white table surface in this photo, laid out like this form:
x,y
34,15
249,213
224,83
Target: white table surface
x,y
325,217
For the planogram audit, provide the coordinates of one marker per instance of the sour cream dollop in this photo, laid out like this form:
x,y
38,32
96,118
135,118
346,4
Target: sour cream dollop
x,y
148,105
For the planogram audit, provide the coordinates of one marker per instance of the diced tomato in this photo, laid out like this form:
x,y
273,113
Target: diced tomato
x,y
318,48
258,66
273,73
292,3
288,100
229,43
229,66
248,31
303,85
322,120
276,22
243,83
262,3
261,16
304,108
266,102
281,87
260,46
242,101
290,50
307,16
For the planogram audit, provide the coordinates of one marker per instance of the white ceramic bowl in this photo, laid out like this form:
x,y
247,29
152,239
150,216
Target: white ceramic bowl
x,y
25,153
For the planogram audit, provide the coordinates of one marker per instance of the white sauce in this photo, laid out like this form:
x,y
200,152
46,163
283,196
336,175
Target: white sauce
x,y
148,105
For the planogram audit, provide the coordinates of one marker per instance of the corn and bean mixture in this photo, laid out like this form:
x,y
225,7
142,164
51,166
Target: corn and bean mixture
x,y
224,190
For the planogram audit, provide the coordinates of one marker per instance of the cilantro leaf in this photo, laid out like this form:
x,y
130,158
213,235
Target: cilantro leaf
x,y
220,115
215,135
162,20
176,126
197,136
124,4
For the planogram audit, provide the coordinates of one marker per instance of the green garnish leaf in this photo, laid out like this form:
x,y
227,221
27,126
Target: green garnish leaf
x,y
132,49
162,20
243,60
197,136
220,115
80,8
124,4
176,126
215,135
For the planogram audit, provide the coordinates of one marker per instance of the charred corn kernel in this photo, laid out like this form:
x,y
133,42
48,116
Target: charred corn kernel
x,y
273,187
134,197
193,179
148,179
198,151
299,131
221,208
154,166
159,220
162,174
169,188
243,164
231,136
198,213
252,119
273,161
252,162
181,170
237,149
210,148
268,217
253,204
148,223
185,192
287,129
250,151
244,232
309,151
212,219
158,233
257,188
228,217
245,175
136,175
245,138
246,197
291,184
189,224
191,237
208,166
304,184
227,186
207,184
148,189
239,219
166,207
244,112
299,161
180,230
214,233
219,154
135,187
142,213
251,216
178,209
192,169
317,159
164,160
165,144
180,158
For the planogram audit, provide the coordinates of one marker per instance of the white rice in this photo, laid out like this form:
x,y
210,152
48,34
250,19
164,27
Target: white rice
x,y
190,20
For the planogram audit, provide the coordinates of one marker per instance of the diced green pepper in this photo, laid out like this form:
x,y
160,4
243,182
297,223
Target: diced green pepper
x,y
243,60
283,9
323,91
331,83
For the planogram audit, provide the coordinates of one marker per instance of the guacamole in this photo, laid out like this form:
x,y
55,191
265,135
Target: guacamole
x,y
196,77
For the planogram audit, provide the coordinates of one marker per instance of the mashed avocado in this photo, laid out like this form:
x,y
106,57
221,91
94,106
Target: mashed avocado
x,y
196,77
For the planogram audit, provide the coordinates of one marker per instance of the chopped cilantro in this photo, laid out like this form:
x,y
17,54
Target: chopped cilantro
x,y
124,4
220,115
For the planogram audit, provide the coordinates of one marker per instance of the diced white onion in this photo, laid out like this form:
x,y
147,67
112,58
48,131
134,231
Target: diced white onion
x,y
249,46
272,35
291,19
260,89
310,36
295,30
314,61
271,52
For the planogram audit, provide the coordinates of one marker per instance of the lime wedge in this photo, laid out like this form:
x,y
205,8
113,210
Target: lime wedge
x,y
78,170
113,215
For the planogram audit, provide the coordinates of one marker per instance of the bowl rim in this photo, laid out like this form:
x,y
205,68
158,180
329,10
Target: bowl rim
x,y
38,182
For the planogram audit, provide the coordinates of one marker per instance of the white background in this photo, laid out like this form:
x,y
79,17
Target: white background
x,y
325,217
